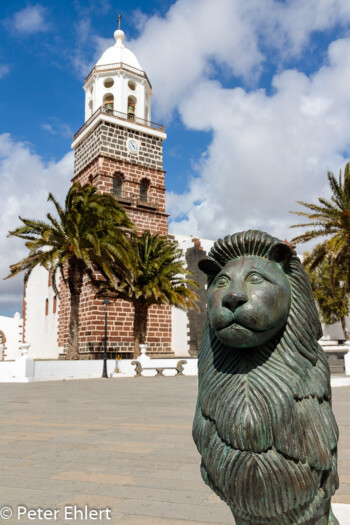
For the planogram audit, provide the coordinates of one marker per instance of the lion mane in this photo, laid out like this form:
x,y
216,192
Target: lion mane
x,y
264,424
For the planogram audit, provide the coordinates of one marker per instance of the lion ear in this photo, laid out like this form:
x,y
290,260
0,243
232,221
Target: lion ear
x,y
209,266
282,253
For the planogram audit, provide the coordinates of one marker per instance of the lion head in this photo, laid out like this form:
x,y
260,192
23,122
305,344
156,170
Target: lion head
x,y
264,425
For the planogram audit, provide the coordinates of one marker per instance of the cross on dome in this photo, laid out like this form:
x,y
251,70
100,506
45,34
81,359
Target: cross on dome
x,y
119,35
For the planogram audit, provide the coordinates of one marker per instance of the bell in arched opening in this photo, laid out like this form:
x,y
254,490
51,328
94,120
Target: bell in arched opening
x,y
131,107
108,102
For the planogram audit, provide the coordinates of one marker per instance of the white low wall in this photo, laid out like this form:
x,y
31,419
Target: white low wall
x,y
25,369
347,363
51,370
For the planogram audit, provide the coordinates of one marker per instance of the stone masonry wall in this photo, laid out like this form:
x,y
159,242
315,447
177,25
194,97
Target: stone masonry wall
x,y
100,173
120,339
196,320
109,140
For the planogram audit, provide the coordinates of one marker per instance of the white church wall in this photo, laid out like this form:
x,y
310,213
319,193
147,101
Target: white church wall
x,y
7,370
11,328
41,328
179,329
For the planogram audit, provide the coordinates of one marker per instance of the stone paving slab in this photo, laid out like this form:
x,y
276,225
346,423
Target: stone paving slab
x,y
125,445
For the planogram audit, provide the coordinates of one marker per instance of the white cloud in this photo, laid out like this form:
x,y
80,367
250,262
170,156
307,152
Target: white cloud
x,y
31,19
57,127
268,150
195,38
185,42
88,47
4,70
288,25
25,181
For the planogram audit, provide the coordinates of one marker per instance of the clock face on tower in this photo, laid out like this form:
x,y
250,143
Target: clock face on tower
x,y
132,146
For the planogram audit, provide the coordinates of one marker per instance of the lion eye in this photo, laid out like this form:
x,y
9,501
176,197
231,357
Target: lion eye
x,y
255,278
221,281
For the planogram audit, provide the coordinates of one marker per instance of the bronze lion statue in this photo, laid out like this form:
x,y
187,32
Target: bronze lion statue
x,y
264,425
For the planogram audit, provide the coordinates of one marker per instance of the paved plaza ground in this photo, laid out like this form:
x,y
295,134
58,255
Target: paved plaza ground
x,y
123,444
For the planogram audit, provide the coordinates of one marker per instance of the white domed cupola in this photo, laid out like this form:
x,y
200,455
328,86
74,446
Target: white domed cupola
x,y
118,86
118,93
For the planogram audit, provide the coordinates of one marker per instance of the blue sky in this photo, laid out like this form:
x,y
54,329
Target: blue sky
x,y
254,96
50,57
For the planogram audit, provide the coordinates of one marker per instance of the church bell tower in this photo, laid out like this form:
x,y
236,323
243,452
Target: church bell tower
x,y
120,151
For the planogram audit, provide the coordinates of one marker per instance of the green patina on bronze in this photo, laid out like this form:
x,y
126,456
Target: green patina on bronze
x,y
264,424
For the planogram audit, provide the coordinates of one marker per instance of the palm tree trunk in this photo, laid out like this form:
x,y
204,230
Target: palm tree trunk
x,y
344,327
75,284
73,341
140,326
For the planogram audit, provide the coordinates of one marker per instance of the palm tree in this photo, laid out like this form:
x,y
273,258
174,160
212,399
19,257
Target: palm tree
x,y
157,275
330,218
89,233
333,307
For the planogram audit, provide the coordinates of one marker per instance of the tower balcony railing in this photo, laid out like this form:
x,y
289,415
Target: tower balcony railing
x,y
116,66
121,116
123,196
148,202
127,197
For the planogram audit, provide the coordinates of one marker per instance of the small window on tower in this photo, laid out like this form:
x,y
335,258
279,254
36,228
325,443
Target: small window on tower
x,y
108,103
54,308
118,185
132,85
46,307
144,190
108,83
91,107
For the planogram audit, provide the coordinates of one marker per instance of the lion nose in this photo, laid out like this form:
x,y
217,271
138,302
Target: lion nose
x,y
233,300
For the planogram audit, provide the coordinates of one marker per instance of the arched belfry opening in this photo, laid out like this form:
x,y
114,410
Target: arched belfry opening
x,y
131,107
144,190
91,107
118,181
108,102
